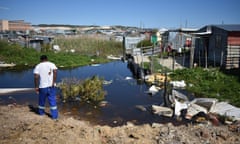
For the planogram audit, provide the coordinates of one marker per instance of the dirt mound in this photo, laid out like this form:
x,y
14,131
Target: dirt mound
x,y
20,124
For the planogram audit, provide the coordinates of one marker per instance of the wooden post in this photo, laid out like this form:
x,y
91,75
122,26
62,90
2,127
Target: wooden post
x,y
165,95
206,62
173,62
124,47
184,50
152,59
192,53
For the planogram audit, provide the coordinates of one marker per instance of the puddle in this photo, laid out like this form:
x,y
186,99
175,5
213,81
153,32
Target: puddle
x,y
123,95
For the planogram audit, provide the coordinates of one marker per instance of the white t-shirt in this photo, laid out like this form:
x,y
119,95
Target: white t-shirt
x,y
45,72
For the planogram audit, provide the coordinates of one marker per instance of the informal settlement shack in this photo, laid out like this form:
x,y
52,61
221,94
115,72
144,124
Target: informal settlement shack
x,y
218,45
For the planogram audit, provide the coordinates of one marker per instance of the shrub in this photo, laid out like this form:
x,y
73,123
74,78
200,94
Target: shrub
x,y
88,90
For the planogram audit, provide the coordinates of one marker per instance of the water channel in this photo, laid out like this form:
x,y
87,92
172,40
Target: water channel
x,y
123,95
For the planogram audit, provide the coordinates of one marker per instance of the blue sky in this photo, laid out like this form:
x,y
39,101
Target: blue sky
x,y
139,13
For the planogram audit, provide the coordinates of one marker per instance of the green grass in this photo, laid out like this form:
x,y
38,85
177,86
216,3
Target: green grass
x,y
12,53
210,83
28,57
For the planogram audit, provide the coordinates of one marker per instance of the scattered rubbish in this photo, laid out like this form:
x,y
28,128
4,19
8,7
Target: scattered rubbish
x,y
140,107
72,50
200,105
198,110
165,111
206,103
211,106
158,78
194,109
56,48
153,90
128,78
178,84
179,95
7,65
111,57
179,106
10,90
95,65
225,109
103,103
105,82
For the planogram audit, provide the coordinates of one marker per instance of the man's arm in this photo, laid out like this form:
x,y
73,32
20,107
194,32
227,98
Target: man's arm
x,y
54,77
36,82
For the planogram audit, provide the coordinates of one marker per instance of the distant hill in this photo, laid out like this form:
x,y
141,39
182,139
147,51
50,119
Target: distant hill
x,y
64,25
77,26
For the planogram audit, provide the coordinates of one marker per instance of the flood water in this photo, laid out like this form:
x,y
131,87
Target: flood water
x,y
123,95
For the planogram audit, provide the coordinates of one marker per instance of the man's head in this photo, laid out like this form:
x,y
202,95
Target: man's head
x,y
43,58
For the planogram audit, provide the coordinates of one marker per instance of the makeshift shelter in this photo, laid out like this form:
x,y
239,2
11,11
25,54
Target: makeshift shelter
x,y
218,45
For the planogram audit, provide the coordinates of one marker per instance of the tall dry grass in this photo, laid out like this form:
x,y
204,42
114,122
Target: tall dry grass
x,y
90,45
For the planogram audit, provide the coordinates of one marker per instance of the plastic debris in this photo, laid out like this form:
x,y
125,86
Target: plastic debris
x,y
194,109
165,111
179,106
178,84
155,78
9,90
103,103
107,82
140,107
179,95
128,78
153,90
95,65
225,109
111,57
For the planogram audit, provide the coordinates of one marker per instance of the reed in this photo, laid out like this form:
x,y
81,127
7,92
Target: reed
x,y
88,90
89,45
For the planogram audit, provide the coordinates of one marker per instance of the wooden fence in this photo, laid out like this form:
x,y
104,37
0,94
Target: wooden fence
x,y
232,57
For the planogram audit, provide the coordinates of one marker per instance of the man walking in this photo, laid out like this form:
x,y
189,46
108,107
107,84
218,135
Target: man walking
x,y
45,74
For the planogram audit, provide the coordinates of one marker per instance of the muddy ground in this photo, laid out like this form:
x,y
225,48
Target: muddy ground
x,y
21,125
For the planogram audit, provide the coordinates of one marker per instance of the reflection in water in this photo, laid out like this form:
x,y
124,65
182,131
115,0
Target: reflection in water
x,y
122,95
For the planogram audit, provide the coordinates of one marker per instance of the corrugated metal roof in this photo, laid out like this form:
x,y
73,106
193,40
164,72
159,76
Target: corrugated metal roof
x,y
229,27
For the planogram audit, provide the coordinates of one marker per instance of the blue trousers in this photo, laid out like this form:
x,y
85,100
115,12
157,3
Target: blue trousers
x,y
50,94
